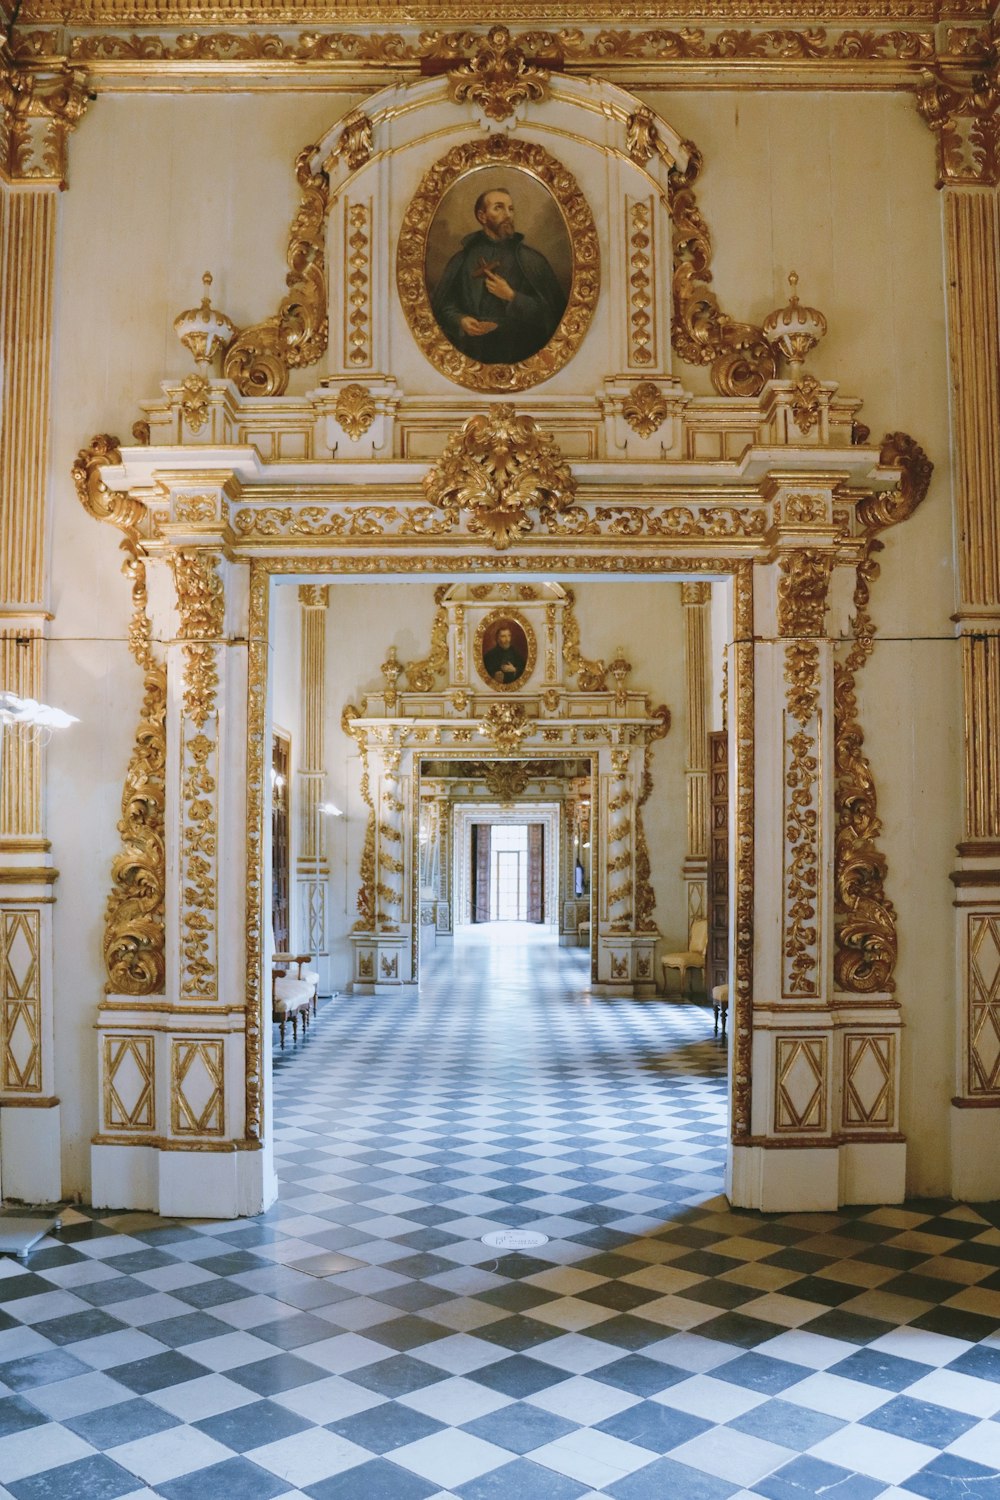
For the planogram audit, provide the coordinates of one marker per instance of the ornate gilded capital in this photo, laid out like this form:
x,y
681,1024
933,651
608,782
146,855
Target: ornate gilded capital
x,y
888,507
39,107
802,591
259,358
741,359
966,121
499,468
314,595
696,593
499,79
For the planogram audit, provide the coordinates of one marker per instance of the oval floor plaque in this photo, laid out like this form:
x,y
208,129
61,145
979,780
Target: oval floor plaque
x,y
514,1239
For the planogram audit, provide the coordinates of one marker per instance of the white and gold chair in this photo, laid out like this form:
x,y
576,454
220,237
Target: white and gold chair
x,y
693,956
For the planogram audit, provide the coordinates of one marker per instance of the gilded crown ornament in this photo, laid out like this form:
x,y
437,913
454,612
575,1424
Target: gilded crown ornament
x,y
794,330
204,331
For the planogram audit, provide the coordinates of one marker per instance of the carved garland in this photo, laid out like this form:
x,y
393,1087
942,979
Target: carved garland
x,y
259,358
802,822
864,917
134,922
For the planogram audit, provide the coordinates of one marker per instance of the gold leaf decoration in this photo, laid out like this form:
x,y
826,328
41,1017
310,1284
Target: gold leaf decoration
x,y
498,469
355,410
505,725
259,358
866,944
740,357
645,408
499,79
889,507
802,591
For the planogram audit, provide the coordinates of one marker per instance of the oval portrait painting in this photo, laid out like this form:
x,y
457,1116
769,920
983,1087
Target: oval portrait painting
x,y
505,649
499,265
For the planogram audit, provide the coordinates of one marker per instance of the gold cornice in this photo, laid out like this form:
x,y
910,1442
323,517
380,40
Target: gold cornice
x,y
314,12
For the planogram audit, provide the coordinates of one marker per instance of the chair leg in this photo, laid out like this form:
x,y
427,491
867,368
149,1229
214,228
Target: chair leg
x,y
725,1017
295,1025
281,1032
715,1010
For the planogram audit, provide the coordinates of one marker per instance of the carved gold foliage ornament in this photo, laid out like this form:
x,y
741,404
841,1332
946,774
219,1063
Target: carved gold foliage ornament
x,y
505,726
499,79
802,591
134,924
889,507
499,468
806,398
39,108
499,150
640,280
356,140
196,390
802,831
355,410
645,408
359,282
864,917
590,675
740,358
506,780
966,121
422,675
259,358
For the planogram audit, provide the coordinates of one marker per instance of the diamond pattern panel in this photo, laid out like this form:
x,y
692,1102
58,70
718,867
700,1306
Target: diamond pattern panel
x,y
197,1104
868,1073
129,1090
20,1043
984,1000
800,1103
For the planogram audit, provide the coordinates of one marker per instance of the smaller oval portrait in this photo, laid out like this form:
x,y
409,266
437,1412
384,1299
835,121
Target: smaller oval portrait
x,y
499,265
505,651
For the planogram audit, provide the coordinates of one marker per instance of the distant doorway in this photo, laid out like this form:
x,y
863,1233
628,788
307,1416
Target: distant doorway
x,y
508,872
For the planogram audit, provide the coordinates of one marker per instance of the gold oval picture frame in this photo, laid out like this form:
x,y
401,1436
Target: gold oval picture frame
x,y
559,212
497,662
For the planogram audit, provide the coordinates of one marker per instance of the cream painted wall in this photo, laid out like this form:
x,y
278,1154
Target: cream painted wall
x,y
838,186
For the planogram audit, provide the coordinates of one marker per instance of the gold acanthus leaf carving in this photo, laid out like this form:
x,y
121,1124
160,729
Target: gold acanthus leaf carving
x,y
966,122
195,394
645,408
38,110
355,410
740,357
499,79
806,400
498,468
119,509
658,44
865,938
505,725
803,582
889,507
259,358
201,598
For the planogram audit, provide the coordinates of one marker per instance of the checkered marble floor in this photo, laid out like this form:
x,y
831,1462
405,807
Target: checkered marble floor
x,y
660,1346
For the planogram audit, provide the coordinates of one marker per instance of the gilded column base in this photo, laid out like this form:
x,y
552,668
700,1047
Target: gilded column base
x,y
171,1086
381,962
625,964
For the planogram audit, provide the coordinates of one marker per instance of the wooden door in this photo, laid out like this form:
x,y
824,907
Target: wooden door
x,y
717,969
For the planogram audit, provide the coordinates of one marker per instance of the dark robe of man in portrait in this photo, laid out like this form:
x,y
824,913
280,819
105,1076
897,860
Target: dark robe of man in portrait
x,y
525,324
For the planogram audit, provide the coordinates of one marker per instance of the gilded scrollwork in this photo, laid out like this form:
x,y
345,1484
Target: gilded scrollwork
x,y
740,358
499,150
259,358
258,761
864,916
134,923
498,79
422,675
356,140
888,507
591,676
497,469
